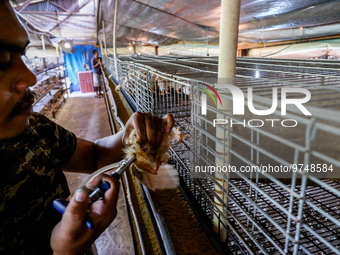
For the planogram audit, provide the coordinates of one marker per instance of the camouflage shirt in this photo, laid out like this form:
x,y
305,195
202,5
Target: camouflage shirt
x,y
31,178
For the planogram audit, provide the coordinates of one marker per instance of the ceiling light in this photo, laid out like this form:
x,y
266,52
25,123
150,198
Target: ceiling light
x,y
67,45
130,48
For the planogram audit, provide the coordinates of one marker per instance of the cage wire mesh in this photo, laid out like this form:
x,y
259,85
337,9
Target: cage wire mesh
x,y
253,212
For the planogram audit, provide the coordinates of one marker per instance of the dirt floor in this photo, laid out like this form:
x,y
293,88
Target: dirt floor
x,y
186,233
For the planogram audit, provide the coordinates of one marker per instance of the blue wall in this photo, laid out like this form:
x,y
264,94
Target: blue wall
x,y
76,63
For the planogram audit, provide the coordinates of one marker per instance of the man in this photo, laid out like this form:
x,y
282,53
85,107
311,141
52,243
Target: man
x,y
33,150
97,73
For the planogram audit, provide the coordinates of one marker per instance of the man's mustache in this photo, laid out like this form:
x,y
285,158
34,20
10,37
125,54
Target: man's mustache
x,y
25,102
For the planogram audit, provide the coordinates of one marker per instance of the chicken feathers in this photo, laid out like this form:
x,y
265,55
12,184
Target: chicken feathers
x,y
149,167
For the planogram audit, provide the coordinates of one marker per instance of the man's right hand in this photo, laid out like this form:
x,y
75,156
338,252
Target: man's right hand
x,y
70,236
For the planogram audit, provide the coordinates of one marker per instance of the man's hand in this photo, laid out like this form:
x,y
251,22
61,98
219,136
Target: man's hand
x,y
70,236
149,128
88,157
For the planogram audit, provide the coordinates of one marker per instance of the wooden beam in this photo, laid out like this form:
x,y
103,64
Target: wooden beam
x,y
60,7
98,13
242,52
104,36
23,6
114,37
250,45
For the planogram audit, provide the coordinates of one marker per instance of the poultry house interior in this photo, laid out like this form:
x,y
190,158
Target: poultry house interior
x,y
252,164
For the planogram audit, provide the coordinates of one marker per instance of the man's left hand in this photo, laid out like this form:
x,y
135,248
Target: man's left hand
x,y
70,236
149,128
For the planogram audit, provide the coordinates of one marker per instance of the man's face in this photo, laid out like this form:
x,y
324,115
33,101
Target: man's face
x,y
15,78
96,54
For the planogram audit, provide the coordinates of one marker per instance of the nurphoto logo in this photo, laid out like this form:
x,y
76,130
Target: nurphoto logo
x,y
238,99
204,98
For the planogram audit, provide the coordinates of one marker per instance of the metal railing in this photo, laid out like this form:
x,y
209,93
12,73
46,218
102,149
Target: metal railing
x,y
292,212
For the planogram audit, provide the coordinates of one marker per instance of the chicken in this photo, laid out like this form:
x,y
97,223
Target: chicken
x,y
149,167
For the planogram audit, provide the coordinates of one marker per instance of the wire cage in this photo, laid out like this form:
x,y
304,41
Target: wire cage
x,y
268,184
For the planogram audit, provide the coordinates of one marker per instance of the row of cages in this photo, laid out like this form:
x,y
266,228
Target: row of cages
x,y
261,156
39,65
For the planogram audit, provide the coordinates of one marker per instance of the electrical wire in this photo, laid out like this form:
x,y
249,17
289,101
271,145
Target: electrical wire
x,y
281,49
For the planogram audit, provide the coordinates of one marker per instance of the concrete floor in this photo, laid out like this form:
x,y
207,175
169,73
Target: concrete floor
x,y
86,117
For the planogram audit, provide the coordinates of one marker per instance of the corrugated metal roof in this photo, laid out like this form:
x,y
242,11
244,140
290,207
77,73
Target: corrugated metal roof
x,y
160,22
68,5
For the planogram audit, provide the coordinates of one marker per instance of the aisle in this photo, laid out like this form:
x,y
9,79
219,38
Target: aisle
x,y
86,116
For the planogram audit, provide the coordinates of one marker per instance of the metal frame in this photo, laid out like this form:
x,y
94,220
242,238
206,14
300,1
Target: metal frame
x,y
112,112
260,213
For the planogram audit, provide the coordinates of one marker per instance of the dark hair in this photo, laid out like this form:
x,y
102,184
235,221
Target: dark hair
x,y
94,51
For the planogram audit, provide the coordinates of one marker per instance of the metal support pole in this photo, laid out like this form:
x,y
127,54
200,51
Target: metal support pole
x,y
102,49
103,23
207,46
230,11
59,24
115,37
56,48
43,44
